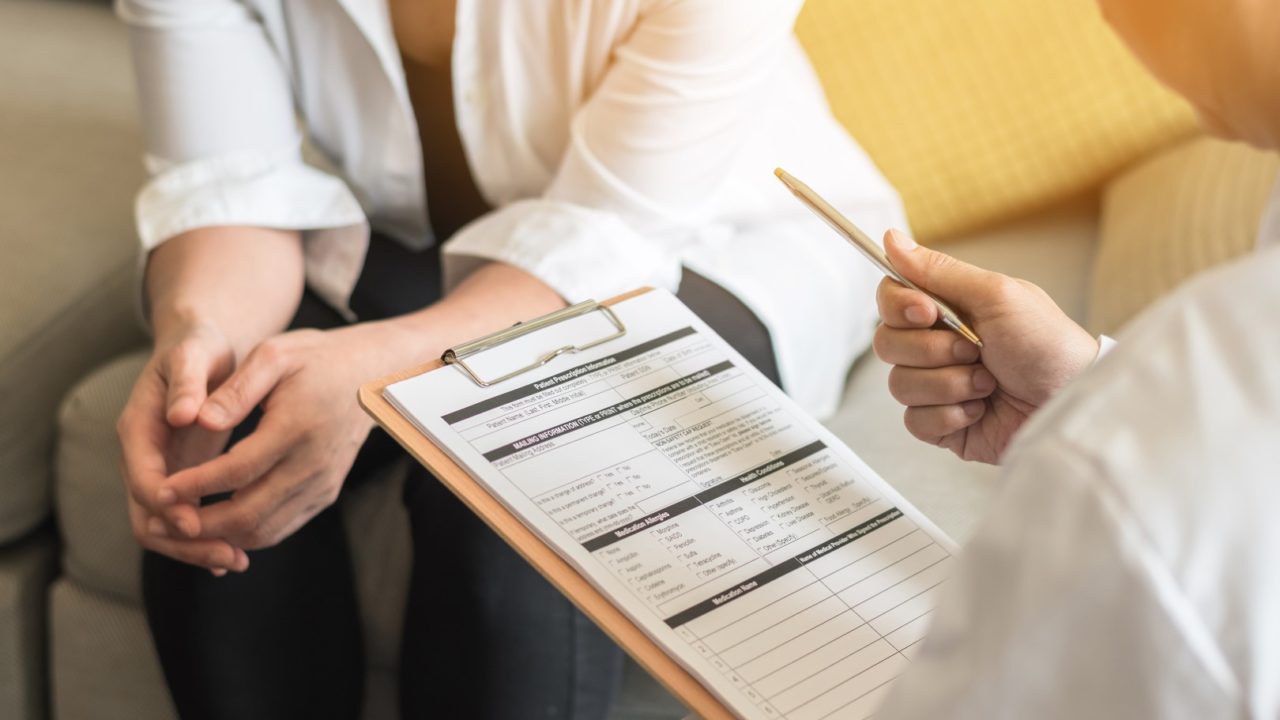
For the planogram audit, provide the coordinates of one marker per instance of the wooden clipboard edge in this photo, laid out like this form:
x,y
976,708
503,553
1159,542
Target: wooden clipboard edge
x,y
544,559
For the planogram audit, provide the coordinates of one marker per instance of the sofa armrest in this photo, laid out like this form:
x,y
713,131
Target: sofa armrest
x,y
44,362
71,166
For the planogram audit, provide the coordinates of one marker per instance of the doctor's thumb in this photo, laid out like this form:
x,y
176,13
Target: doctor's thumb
x,y
953,281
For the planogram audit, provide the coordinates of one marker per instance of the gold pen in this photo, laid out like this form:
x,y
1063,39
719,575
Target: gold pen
x,y
859,239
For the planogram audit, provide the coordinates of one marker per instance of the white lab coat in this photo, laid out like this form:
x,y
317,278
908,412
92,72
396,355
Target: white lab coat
x,y
1130,566
617,141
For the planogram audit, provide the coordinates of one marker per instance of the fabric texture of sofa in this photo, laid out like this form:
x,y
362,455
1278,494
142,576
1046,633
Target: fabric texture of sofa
x,y
73,640
68,170
979,110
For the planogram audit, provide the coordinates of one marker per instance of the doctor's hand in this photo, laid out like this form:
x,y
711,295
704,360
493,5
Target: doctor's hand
x,y
967,400
293,464
159,436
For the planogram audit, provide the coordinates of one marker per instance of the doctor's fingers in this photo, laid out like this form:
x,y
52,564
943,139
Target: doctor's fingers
x,y
916,387
922,348
933,423
902,307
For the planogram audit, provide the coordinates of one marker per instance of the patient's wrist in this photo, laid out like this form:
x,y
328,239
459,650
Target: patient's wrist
x,y
493,297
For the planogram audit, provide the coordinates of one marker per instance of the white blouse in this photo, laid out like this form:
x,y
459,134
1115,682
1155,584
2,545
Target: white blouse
x,y
617,141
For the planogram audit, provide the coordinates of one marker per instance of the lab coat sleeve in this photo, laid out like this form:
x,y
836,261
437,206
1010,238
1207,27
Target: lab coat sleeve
x,y
1060,608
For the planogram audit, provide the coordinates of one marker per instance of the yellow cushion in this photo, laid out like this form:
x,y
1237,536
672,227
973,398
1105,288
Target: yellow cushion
x,y
1180,212
978,110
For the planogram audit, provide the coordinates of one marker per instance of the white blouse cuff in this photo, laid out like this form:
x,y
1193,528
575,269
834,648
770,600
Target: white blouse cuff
x,y
261,191
579,252
1105,344
252,190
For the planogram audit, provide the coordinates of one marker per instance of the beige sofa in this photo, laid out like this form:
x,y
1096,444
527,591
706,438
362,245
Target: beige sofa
x,y
72,631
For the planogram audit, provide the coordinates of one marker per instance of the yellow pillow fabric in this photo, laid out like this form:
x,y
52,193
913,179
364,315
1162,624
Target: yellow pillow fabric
x,y
1183,211
978,110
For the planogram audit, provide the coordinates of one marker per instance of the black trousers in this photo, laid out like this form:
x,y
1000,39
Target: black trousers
x,y
485,636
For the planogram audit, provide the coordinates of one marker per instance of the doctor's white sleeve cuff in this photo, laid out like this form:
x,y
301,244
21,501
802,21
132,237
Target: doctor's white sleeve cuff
x,y
1104,346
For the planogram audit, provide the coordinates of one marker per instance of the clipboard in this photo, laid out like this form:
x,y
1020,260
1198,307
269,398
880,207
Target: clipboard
x,y
678,681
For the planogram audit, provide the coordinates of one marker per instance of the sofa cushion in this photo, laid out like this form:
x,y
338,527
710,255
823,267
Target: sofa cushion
x,y
1185,210
980,110
102,664
25,571
98,549
69,150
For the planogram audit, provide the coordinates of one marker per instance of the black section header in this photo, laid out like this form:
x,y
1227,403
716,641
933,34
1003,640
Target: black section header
x,y
607,412
733,593
784,567
644,523
816,552
760,472
571,374
660,516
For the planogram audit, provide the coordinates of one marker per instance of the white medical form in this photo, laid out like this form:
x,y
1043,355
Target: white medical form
x,y
746,540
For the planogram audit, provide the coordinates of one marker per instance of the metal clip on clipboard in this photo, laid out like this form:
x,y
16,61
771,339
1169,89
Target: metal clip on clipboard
x,y
458,355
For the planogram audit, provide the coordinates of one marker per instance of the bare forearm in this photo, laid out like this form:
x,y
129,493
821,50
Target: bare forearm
x,y
491,298
245,281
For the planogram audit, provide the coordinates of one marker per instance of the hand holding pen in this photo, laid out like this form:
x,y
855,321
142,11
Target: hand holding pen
x,y
969,401
968,386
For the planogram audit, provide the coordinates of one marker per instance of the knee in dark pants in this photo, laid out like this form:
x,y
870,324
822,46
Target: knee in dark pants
x,y
486,636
